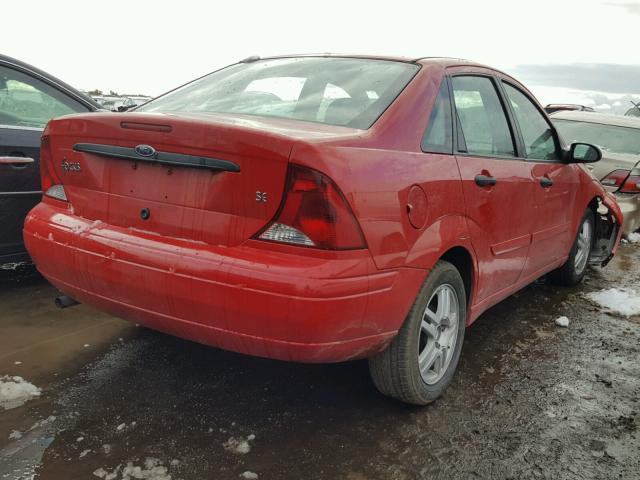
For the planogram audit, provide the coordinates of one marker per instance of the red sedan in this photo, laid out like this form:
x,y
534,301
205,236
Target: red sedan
x,y
321,209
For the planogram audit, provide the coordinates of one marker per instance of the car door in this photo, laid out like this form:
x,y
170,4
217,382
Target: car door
x,y
497,184
26,105
555,183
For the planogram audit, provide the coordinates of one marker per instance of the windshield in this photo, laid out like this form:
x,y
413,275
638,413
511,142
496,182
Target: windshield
x,y
608,137
337,91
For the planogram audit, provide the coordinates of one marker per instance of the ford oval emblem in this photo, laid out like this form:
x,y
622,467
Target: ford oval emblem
x,y
145,151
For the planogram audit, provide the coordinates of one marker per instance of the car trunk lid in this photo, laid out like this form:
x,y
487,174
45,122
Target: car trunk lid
x,y
214,180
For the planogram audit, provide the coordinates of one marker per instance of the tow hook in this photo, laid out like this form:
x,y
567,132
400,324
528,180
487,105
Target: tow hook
x,y
64,301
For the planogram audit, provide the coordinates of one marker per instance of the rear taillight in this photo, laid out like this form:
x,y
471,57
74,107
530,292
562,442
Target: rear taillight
x,y
615,178
51,183
631,184
314,213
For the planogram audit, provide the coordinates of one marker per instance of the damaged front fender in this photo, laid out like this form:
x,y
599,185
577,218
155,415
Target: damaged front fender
x,y
608,230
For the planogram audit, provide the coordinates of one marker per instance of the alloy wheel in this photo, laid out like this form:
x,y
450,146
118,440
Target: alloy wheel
x,y
583,248
438,334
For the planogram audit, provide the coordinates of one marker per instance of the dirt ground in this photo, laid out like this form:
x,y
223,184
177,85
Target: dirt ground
x,y
530,400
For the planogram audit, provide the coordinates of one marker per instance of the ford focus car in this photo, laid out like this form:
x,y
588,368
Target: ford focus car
x,y
321,209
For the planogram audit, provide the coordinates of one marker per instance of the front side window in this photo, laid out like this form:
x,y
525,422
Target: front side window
x,y
351,92
482,122
537,134
28,102
438,138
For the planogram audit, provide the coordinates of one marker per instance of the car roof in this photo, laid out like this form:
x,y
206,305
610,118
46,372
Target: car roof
x,y
48,78
442,61
395,58
446,61
599,118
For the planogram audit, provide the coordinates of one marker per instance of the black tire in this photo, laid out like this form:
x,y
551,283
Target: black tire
x,y
395,371
569,274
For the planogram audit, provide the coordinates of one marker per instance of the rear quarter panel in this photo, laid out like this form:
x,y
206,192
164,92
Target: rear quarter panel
x,y
376,183
376,171
610,162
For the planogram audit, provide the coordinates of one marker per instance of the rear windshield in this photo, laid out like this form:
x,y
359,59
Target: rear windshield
x,y
608,137
337,91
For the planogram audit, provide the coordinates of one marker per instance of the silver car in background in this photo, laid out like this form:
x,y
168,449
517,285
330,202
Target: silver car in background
x,y
619,170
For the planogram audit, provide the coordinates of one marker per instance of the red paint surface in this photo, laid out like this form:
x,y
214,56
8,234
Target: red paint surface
x,y
193,270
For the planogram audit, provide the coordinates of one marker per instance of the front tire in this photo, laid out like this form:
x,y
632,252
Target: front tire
x,y
420,362
574,269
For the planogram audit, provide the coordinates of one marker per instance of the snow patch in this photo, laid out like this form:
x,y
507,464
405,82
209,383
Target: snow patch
x,y
248,475
623,301
238,445
16,391
102,473
151,470
17,435
13,265
562,321
42,423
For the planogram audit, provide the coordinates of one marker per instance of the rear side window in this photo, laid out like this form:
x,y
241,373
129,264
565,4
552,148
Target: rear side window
x,y
538,136
481,118
29,102
438,138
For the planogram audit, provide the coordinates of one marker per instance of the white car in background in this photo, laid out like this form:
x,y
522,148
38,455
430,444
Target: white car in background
x,y
112,103
132,101
619,170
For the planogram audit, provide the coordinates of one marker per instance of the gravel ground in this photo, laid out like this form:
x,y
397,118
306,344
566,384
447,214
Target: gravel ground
x,y
531,399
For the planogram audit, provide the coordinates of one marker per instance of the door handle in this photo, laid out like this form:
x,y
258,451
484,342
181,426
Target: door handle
x,y
485,181
546,182
17,161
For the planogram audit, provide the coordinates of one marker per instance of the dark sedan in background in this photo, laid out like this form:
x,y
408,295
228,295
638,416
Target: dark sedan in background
x,y
29,98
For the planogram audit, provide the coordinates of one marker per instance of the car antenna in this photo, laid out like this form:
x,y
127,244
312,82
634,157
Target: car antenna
x,y
252,58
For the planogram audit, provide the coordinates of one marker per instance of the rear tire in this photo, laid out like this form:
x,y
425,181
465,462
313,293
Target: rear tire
x,y
421,360
574,269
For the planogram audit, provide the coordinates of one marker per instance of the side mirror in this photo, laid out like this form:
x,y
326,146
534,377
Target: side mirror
x,y
584,153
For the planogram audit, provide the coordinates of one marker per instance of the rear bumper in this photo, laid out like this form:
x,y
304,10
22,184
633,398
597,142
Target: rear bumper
x,y
257,299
